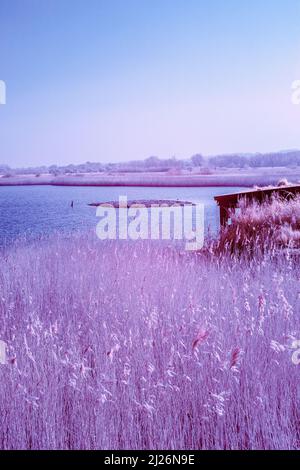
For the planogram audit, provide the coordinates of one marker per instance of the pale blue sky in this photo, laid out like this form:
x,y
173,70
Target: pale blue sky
x,y
118,80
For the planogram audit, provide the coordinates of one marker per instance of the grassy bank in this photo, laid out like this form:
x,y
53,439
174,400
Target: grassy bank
x,y
103,354
235,178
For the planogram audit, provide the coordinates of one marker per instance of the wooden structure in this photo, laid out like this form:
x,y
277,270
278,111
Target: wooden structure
x,y
230,201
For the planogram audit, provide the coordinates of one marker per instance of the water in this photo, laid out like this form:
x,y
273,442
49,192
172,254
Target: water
x,y
38,210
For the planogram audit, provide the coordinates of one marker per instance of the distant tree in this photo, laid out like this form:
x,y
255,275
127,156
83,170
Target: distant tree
x,y
229,161
152,162
4,169
197,159
53,169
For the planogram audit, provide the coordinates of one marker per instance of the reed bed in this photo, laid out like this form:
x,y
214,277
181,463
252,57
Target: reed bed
x,y
138,345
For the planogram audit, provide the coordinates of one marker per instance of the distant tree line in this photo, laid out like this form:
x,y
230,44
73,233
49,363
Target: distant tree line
x,y
257,160
276,159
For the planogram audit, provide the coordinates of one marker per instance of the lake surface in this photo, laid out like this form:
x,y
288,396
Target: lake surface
x,y
39,210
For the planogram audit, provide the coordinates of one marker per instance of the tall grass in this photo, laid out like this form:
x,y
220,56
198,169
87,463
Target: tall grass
x,y
131,346
255,226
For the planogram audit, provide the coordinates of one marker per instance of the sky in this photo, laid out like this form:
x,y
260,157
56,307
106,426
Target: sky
x,y
119,80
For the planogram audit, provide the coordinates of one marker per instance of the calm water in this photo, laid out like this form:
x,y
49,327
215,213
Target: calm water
x,y
37,210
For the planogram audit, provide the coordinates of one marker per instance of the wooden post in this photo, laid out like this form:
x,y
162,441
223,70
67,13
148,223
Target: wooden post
x,y
223,216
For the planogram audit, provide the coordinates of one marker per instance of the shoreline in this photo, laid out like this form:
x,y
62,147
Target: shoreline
x,y
151,180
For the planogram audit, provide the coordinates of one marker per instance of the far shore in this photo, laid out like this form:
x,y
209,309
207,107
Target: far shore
x,y
240,178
